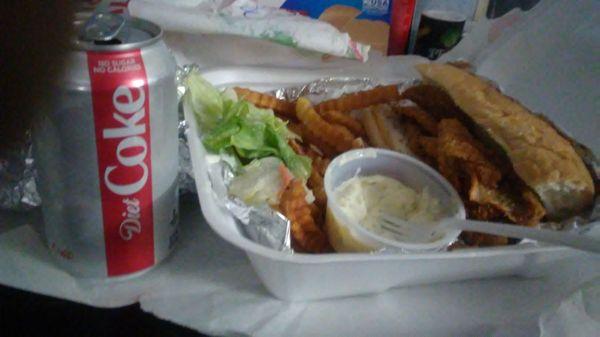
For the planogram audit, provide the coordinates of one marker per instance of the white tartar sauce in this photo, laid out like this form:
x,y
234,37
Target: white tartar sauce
x,y
365,199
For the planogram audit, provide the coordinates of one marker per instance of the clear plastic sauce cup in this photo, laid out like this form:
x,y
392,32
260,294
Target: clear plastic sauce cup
x,y
347,235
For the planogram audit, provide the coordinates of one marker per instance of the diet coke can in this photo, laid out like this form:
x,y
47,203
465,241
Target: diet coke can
x,y
107,151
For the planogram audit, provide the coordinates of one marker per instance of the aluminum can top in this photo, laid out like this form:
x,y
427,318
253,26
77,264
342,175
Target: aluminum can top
x,y
111,32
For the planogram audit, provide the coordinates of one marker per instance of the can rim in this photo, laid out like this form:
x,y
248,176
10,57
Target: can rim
x,y
153,29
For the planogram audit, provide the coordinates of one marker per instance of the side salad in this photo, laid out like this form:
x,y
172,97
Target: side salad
x,y
253,140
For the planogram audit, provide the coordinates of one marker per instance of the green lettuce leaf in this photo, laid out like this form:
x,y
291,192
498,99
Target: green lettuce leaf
x,y
236,126
205,100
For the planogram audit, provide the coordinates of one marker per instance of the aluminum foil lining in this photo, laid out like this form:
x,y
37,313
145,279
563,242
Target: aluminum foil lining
x,y
186,171
332,87
262,225
325,88
18,190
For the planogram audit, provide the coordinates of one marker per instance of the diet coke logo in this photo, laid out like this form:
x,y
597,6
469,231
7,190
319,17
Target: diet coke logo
x,y
121,102
131,113
131,225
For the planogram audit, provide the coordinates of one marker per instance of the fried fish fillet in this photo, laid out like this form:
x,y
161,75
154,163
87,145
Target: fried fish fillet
x,y
456,142
489,192
520,205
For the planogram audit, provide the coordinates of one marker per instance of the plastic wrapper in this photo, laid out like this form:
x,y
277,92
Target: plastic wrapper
x,y
248,18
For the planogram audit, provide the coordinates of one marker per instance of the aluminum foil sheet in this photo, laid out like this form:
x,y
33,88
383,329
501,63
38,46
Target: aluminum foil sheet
x,y
325,88
186,171
262,225
17,178
18,190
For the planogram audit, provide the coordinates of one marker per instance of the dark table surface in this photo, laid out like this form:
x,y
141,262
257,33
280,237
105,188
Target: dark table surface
x,y
26,314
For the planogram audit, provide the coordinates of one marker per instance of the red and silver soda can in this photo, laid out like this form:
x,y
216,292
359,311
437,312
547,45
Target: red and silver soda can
x,y
107,152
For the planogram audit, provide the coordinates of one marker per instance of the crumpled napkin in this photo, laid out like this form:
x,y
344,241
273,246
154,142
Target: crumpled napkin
x,y
248,18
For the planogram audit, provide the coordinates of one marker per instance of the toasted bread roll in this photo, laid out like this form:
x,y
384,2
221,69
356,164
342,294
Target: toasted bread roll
x,y
540,156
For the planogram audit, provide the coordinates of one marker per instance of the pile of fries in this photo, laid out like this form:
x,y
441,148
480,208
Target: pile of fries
x,y
421,122
325,130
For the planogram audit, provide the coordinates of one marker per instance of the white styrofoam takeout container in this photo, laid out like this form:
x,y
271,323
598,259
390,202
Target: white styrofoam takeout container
x,y
299,277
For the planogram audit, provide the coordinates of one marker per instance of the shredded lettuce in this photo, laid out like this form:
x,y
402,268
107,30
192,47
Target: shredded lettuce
x,y
237,126
205,99
258,182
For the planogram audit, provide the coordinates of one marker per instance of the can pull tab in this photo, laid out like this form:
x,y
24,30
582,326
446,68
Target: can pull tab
x,y
103,27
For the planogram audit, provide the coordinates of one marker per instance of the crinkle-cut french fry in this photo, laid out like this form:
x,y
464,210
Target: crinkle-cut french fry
x,y
420,116
306,234
309,146
336,117
335,136
283,108
361,99
314,144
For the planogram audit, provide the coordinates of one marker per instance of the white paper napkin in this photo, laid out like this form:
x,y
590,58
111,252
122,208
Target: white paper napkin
x,y
209,285
578,315
215,290
547,58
